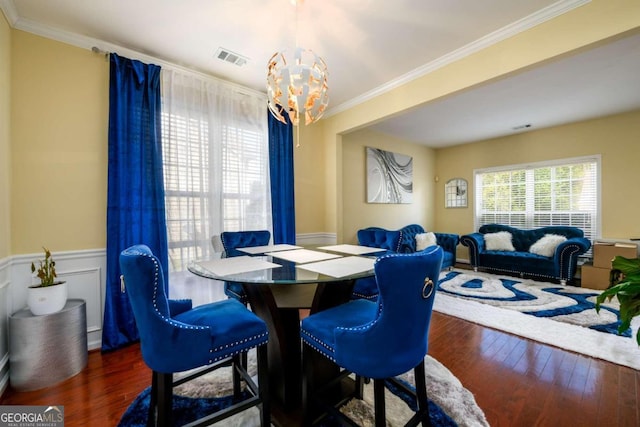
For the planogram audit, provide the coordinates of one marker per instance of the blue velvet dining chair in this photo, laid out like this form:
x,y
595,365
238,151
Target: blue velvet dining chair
x,y
382,339
375,237
231,241
176,337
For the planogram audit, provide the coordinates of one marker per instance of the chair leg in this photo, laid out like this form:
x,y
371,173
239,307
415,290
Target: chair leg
x,y
153,400
378,399
360,382
263,385
421,393
237,362
307,384
164,389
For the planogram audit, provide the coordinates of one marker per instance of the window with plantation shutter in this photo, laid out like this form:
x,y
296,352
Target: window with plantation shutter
x,y
216,164
564,192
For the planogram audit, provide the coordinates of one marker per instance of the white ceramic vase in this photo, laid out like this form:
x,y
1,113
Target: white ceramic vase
x,y
47,299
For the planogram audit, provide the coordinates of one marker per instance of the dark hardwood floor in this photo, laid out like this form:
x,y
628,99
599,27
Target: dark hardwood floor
x,y
517,382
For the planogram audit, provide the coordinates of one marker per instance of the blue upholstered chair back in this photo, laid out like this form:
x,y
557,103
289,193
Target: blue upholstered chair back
x,y
231,240
408,237
395,340
145,286
379,238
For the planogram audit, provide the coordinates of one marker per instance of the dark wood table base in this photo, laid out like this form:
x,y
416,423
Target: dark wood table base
x,y
285,346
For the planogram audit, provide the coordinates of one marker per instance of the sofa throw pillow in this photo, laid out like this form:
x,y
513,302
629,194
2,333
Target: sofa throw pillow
x,y
500,241
547,244
424,240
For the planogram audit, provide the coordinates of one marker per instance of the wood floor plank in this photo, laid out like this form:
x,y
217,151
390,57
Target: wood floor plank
x,y
517,382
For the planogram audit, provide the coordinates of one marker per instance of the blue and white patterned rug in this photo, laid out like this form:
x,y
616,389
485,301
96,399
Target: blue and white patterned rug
x,y
561,316
567,304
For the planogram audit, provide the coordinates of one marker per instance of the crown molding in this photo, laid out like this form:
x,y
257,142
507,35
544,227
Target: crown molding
x,y
556,9
545,14
9,10
85,42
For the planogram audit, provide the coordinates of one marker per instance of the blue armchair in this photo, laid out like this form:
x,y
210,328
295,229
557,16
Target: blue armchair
x,y
175,337
561,266
377,237
399,241
378,340
231,241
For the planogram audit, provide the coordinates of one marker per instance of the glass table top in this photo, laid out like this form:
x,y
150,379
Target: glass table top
x,y
297,266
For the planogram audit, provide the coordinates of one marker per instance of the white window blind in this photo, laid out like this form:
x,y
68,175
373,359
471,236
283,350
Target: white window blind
x,y
216,164
529,196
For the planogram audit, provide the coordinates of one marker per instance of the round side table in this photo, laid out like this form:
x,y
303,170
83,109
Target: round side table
x,y
47,349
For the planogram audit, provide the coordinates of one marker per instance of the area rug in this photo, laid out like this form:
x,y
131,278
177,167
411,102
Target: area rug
x,y
450,403
563,316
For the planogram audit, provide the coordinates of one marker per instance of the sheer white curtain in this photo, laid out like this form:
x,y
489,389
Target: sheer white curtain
x,y
216,164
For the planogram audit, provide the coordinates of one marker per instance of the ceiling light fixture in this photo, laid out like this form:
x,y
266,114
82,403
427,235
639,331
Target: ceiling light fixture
x,y
297,84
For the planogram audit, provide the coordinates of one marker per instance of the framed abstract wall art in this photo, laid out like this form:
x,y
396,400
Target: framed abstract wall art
x,y
389,177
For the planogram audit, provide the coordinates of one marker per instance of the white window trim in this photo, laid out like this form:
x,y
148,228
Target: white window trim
x,y
597,158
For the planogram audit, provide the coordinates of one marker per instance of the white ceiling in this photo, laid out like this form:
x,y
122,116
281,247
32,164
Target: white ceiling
x,y
370,46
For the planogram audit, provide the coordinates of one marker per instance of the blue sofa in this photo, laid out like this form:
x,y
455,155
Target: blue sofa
x,y
404,241
399,241
560,266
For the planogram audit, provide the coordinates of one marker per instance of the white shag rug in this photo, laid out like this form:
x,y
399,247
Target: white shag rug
x,y
443,388
605,346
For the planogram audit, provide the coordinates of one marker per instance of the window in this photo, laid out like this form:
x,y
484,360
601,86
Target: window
x,y
216,164
529,196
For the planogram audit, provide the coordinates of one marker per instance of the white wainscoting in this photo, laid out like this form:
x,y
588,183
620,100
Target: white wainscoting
x,y
85,274
5,310
310,239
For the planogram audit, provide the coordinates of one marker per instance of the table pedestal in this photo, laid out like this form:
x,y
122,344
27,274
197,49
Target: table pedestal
x,y
285,346
47,349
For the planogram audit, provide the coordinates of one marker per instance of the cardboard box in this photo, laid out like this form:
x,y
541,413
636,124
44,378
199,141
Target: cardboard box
x,y
594,277
604,252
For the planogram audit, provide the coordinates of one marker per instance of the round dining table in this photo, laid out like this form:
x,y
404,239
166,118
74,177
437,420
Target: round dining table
x,y
278,286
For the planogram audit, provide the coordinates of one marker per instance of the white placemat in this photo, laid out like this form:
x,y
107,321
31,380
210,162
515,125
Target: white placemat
x,y
253,250
236,265
352,249
300,256
340,267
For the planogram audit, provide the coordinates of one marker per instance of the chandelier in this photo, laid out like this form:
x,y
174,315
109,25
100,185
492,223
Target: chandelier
x,y
297,85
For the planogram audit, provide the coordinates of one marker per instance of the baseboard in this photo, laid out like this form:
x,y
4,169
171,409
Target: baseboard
x,y
310,239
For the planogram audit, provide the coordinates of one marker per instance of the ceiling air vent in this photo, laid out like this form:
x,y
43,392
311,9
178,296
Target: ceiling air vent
x,y
232,57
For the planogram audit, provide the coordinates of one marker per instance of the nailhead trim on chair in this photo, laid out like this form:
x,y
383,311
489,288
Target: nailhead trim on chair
x,y
365,326
324,345
367,297
242,350
321,344
185,326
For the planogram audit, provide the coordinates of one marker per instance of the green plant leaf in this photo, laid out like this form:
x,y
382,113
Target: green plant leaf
x,y
624,284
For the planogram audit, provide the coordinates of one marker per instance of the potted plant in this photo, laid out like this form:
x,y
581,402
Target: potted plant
x,y
624,283
50,295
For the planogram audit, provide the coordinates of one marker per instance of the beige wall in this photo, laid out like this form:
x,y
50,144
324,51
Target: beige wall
x,y
581,28
357,213
309,158
5,137
59,116
615,138
59,104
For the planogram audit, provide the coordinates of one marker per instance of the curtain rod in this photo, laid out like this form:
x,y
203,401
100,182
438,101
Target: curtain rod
x,y
96,49
164,64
